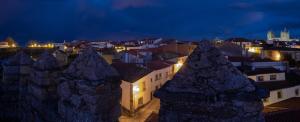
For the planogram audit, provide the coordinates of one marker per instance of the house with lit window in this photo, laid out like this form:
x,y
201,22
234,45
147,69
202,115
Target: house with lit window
x,y
266,74
140,81
280,53
280,91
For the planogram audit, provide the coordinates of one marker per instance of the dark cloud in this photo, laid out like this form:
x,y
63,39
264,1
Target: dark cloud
x,y
129,19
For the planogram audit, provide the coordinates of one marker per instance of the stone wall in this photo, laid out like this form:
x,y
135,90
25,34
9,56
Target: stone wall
x,y
89,90
209,88
16,71
42,91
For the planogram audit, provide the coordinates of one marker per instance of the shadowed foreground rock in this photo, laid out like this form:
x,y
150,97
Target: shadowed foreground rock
x,y
16,71
209,88
89,90
42,89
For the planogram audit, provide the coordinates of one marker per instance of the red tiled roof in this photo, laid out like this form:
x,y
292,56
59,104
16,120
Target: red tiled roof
x,y
158,64
131,72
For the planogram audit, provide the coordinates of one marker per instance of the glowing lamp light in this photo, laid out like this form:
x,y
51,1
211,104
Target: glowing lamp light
x,y
13,45
179,64
136,89
278,56
252,50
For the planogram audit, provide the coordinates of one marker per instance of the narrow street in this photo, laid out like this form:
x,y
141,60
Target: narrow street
x,y
143,113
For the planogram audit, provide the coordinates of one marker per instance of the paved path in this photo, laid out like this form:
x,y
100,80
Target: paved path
x,y
143,113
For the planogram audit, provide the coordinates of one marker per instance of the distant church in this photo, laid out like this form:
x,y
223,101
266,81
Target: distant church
x,y
284,36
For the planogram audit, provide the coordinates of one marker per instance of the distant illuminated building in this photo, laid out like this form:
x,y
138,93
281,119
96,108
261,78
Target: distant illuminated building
x,y
284,36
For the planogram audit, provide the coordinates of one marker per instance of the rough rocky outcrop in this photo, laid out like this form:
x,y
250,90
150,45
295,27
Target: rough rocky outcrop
x,y
89,90
16,71
42,97
209,88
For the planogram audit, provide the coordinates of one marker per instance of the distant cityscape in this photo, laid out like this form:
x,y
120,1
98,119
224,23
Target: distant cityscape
x,y
145,66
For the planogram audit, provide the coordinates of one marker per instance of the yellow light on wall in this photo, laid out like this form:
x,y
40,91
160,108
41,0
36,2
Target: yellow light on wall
x,y
278,56
178,65
252,50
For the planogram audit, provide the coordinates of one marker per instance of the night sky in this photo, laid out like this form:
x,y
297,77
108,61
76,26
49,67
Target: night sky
x,y
131,19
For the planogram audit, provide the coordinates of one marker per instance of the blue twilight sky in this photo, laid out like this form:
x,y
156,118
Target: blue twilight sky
x,y
130,19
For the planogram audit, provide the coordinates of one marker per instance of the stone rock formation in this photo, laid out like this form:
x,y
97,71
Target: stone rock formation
x,y
209,88
16,71
90,90
43,89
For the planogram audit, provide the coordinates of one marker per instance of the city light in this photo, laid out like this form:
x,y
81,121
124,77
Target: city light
x,y
136,89
178,65
119,49
278,56
35,45
13,45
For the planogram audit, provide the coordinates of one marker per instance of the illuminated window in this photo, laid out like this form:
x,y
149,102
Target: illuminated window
x,y
273,77
279,95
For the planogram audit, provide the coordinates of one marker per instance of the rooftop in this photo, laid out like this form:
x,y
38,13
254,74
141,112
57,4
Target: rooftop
x,y
159,64
276,85
284,111
281,48
258,71
248,59
131,72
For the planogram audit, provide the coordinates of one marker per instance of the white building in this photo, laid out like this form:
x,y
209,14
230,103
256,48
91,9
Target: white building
x,y
266,75
101,44
284,36
4,45
279,91
140,82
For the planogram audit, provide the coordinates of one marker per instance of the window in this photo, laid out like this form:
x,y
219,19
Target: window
x,y
151,79
159,75
279,95
167,74
156,88
297,92
273,77
144,86
140,101
260,78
